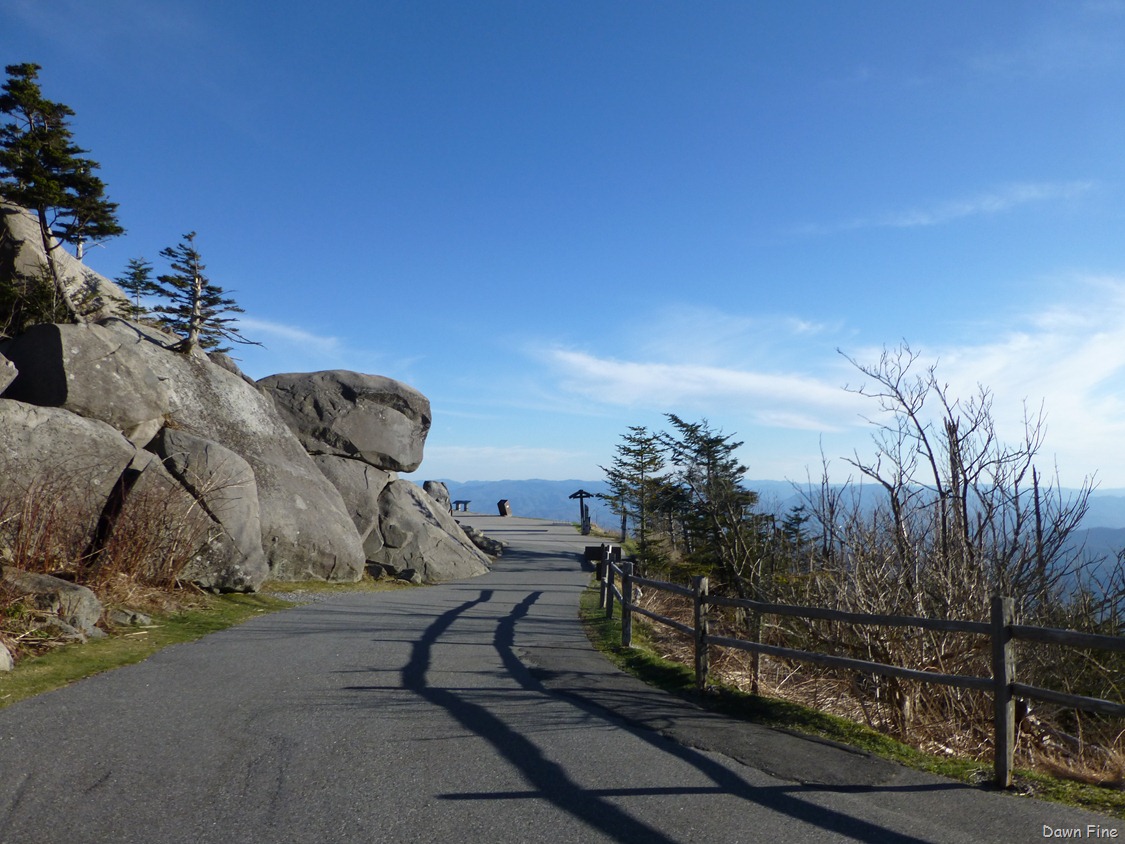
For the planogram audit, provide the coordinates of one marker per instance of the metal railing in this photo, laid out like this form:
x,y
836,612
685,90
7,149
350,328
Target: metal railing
x,y
618,582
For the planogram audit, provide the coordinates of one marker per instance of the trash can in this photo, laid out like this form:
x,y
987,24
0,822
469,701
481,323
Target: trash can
x,y
504,507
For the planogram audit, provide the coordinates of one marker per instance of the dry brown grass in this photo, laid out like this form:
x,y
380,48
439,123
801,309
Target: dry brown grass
x,y
944,721
131,558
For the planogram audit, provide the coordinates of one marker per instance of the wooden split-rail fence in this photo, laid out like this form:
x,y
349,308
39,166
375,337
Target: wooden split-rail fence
x,y
618,582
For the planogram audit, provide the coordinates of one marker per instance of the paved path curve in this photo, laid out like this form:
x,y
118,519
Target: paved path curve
x,y
469,712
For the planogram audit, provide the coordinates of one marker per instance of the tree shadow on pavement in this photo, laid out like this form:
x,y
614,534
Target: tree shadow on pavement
x,y
551,781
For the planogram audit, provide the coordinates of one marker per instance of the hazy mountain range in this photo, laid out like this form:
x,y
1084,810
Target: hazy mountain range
x,y
1103,528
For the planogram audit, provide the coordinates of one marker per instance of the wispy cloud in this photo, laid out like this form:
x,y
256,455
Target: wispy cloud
x,y
463,462
1068,358
291,348
992,202
267,330
988,203
771,399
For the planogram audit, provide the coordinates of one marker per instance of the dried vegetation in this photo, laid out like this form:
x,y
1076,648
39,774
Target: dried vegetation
x,y
130,552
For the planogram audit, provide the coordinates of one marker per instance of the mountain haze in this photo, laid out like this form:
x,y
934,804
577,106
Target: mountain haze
x,y
1103,532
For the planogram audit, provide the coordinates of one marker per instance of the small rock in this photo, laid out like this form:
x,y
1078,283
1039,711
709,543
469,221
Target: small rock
x,y
490,546
129,618
77,608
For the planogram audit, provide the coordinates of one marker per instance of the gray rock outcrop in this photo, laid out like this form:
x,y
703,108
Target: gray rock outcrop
x,y
21,254
91,371
418,535
306,532
165,525
225,487
439,492
76,606
378,420
360,485
63,467
491,547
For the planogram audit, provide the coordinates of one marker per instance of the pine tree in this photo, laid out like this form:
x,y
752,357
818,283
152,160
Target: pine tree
x,y
198,308
137,282
633,479
723,534
42,169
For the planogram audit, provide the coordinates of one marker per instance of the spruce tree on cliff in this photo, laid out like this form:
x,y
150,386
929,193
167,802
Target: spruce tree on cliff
x,y
198,308
42,169
136,281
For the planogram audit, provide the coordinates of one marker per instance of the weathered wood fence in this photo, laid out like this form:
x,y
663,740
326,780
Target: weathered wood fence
x,y
618,581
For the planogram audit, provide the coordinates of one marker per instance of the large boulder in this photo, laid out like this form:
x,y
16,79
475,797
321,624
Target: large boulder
x,y
360,485
76,606
162,531
60,470
439,492
306,532
90,371
418,535
224,489
367,417
22,255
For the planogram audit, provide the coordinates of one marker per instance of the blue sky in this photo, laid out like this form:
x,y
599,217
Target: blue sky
x,y
560,219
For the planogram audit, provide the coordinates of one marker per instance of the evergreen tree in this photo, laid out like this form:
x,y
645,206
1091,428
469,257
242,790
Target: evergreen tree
x,y
42,169
137,282
723,534
633,478
198,308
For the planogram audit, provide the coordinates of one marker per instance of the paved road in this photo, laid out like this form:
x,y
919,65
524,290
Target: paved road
x,y
469,712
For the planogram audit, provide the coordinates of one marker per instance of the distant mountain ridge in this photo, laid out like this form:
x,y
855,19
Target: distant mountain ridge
x,y
534,498
1103,531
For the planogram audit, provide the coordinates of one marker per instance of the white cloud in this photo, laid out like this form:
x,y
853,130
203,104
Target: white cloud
x,y
1068,358
992,202
770,399
998,201
290,348
265,330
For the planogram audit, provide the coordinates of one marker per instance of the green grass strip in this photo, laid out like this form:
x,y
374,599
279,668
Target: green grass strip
x,y
65,665
679,679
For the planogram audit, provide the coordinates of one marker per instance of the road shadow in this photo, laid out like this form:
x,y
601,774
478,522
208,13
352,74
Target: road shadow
x,y
550,781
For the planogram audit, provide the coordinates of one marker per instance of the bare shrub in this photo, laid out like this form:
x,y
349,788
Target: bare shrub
x,y
152,540
131,553
45,524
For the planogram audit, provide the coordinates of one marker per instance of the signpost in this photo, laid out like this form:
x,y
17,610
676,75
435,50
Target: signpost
x,y
583,510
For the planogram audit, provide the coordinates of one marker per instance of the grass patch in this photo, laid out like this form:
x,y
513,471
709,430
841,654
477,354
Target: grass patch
x,y
65,665
679,679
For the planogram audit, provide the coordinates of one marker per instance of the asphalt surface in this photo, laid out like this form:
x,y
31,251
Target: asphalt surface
x,y
469,712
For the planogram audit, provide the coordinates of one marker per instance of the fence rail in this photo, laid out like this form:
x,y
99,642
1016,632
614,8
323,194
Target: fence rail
x,y
618,582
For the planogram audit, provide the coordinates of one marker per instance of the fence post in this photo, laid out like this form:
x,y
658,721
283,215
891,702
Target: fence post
x,y
699,585
608,589
626,605
1003,675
